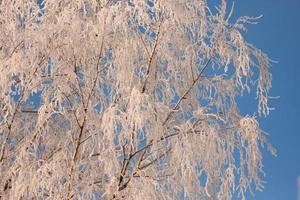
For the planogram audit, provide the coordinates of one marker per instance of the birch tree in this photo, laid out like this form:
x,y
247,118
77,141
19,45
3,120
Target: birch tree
x,y
135,99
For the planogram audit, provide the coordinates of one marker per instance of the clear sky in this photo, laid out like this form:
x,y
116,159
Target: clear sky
x,y
278,34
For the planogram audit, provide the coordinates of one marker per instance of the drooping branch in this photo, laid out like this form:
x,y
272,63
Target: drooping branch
x,y
10,124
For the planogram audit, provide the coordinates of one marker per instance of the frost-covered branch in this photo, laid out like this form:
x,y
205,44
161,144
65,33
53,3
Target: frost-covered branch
x,y
107,99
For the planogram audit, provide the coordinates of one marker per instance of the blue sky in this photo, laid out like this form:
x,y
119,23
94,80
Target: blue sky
x,y
278,34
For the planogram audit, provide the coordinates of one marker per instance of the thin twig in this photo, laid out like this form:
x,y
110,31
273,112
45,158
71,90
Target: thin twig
x,y
145,46
154,160
152,56
15,49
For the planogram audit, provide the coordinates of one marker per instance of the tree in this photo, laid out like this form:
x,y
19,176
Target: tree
x,y
112,99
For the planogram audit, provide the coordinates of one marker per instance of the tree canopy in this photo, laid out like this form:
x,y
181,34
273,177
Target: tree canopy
x,y
128,99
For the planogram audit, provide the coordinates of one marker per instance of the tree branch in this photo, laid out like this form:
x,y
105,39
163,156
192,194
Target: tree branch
x,y
152,55
186,92
82,126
